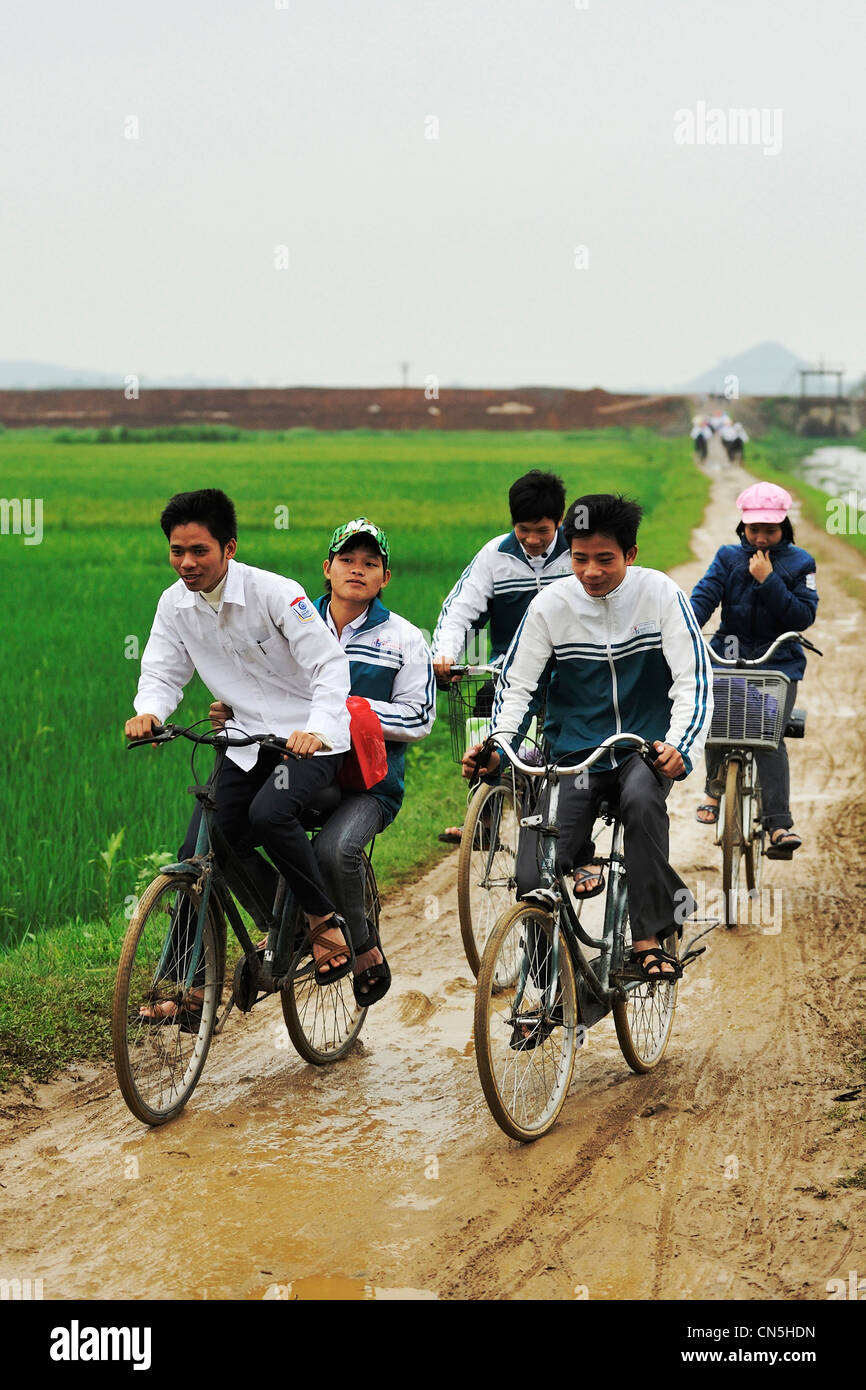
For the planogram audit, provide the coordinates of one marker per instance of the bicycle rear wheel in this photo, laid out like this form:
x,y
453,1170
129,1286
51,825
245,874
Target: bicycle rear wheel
x,y
324,1020
486,866
755,837
525,1033
732,840
158,1065
644,1019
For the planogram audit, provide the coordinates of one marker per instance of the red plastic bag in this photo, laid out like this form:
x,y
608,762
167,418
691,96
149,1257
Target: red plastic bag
x,y
367,761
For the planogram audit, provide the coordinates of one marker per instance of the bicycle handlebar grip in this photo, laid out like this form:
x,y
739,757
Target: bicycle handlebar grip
x,y
158,734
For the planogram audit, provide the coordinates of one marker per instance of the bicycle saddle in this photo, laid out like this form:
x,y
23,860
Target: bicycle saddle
x,y
324,802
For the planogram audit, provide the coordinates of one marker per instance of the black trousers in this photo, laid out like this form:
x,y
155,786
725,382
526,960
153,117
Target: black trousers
x,y
260,807
658,900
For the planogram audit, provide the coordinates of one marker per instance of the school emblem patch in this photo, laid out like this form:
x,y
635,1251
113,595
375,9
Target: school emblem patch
x,y
303,609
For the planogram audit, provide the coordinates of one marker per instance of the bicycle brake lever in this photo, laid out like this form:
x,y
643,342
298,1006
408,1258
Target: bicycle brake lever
x,y
483,754
651,764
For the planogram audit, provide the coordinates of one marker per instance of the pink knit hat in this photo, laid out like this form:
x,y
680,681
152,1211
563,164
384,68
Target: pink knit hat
x,y
764,502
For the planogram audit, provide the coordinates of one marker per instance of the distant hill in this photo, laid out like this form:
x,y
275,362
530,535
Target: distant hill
x,y
49,376
766,370
45,376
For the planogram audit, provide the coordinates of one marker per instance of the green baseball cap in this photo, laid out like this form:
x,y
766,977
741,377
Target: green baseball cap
x,y
361,527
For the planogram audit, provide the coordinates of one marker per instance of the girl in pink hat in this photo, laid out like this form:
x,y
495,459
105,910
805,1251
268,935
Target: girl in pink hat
x,y
766,586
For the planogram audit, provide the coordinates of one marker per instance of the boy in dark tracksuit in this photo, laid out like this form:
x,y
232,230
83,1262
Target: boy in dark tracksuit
x,y
622,653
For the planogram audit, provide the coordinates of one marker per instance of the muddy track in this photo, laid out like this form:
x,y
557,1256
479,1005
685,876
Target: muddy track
x,y
713,1177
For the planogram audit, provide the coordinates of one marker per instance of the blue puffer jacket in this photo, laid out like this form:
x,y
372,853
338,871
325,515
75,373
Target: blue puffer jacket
x,y
757,613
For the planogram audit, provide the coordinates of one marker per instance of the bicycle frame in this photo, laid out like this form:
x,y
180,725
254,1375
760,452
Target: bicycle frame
x,y
217,879
598,990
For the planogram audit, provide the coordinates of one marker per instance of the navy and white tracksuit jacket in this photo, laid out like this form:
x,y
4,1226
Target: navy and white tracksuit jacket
x,y
497,585
632,661
390,665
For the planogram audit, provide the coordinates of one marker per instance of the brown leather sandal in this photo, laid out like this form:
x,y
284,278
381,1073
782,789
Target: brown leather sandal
x,y
333,933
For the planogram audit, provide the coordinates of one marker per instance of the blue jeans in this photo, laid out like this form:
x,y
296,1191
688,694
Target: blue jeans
x,y
338,847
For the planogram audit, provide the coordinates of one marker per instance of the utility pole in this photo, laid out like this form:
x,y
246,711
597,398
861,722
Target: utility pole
x,y
404,367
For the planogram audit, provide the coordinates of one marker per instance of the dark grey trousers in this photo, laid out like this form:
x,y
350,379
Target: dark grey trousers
x,y
658,900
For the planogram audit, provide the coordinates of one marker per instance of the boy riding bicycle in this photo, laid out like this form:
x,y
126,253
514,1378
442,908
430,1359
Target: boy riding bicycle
x,y
503,578
623,653
261,648
391,667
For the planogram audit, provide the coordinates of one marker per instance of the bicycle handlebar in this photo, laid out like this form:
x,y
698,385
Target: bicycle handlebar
x,y
740,661
636,739
166,733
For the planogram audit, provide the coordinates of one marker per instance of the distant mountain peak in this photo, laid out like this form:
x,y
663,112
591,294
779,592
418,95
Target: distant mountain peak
x,y
767,369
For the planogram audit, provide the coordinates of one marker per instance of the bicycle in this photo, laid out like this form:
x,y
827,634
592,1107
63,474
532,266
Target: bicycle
x,y
487,857
174,953
538,992
747,715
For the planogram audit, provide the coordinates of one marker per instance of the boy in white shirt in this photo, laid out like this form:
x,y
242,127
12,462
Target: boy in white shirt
x,y
260,647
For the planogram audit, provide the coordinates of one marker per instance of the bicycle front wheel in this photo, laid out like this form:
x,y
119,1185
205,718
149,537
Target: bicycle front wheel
x,y
732,840
324,1020
525,1032
486,866
644,1019
159,1064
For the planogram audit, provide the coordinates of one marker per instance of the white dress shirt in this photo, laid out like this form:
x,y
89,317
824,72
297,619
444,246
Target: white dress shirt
x,y
265,651
349,629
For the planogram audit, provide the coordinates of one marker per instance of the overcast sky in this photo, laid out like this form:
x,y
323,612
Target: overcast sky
x,y
306,127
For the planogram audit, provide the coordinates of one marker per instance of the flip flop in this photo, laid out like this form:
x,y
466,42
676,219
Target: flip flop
x,y
713,818
452,836
377,978
187,1020
641,963
784,846
585,874
320,934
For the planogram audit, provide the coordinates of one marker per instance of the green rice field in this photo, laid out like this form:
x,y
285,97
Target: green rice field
x,y
79,815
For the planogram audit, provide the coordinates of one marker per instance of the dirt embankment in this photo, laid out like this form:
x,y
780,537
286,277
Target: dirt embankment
x,y
714,1177
533,408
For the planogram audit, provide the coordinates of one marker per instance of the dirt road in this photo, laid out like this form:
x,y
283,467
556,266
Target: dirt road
x,y
385,1176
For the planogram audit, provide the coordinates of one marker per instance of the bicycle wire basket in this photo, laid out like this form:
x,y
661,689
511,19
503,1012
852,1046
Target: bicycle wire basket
x,y
748,709
470,709
470,706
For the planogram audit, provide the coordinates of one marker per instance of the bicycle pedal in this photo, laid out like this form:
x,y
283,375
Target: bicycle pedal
x,y
691,956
